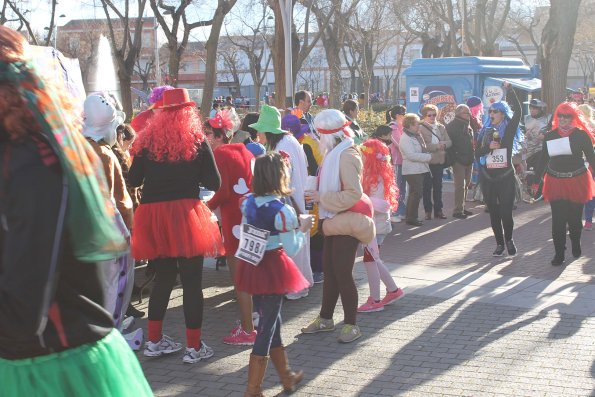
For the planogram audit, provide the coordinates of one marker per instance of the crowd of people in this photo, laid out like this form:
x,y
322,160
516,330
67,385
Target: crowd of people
x,y
294,196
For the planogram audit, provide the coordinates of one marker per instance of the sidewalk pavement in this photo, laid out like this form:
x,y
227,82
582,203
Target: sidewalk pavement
x,y
469,324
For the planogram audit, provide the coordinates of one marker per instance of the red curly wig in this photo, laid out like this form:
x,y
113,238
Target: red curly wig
x,y
578,118
171,135
15,118
377,166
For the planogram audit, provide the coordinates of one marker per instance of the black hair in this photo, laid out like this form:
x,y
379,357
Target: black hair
x,y
250,118
300,96
273,139
382,130
216,105
394,111
349,105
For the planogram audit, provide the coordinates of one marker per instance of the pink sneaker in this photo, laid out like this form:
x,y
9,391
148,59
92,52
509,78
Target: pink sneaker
x,y
370,306
239,337
392,296
588,225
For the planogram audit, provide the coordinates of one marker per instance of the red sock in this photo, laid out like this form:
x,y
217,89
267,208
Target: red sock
x,y
155,330
193,337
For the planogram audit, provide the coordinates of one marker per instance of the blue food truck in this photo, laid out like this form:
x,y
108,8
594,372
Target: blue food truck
x,y
447,82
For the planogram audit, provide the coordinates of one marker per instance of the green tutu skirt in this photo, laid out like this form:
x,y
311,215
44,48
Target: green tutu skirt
x,y
106,368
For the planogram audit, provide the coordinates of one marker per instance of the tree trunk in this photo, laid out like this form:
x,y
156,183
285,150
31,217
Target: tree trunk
x,y
334,65
174,66
557,41
125,93
257,94
278,53
211,62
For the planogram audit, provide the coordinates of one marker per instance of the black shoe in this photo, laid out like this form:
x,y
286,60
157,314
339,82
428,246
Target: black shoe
x,y
511,248
466,212
499,250
557,261
576,249
486,209
134,312
440,215
414,223
459,215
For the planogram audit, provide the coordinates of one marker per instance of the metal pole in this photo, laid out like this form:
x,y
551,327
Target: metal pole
x,y
287,16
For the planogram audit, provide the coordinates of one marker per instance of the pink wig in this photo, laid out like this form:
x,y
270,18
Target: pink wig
x,y
377,166
171,135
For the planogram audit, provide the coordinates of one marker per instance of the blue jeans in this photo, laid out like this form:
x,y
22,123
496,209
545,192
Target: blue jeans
x,y
269,324
589,208
402,185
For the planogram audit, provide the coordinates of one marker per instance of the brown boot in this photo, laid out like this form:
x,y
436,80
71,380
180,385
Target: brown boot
x,y
256,370
289,379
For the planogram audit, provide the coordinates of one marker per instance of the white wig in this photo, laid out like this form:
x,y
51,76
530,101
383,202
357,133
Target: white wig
x,y
333,127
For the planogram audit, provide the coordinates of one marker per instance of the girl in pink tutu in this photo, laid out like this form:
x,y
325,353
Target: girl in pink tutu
x,y
378,182
270,234
173,229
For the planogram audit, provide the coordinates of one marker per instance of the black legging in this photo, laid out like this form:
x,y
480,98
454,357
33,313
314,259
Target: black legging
x,y
338,258
499,195
166,270
564,213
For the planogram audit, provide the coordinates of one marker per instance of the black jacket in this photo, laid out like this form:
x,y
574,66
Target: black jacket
x,y
580,144
49,301
166,181
461,135
483,146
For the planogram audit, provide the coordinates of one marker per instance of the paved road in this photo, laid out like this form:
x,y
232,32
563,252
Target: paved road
x,y
469,325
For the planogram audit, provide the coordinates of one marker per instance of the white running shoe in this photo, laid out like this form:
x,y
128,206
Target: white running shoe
x,y
165,346
192,356
297,295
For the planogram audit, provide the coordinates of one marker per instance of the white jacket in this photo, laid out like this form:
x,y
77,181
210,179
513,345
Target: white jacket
x,y
414,160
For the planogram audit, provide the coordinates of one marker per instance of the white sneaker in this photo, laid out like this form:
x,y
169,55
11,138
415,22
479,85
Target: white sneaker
x,y
298,295
165,346
192,355
396,219
255,319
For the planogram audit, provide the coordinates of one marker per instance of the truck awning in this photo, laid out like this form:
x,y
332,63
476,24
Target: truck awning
x,y
529,85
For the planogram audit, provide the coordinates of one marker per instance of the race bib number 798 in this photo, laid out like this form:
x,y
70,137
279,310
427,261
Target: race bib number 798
x,y
253,244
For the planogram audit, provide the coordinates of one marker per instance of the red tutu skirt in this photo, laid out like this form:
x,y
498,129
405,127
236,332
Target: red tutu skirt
x,y
172,229
276,274
578,189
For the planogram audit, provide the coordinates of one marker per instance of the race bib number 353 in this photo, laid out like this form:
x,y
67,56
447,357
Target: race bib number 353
x,y
253,244
497,159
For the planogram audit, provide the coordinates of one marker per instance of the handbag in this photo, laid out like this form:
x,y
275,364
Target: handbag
x,y
448,155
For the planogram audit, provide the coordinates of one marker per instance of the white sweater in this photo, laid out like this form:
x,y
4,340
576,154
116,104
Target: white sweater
x,y
414,160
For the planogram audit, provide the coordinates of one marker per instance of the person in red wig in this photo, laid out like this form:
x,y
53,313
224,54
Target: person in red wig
x,y
567,182
174,230
56,338
378,182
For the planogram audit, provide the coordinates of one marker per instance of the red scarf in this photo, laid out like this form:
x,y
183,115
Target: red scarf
x,y
566,131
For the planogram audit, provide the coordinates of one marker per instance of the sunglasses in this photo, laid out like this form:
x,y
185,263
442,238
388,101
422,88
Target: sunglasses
x,y
564,115
491,111
431,115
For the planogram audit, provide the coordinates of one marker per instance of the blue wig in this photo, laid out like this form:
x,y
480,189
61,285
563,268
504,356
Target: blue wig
x,y
503,107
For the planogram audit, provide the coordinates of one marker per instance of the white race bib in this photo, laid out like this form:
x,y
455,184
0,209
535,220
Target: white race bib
x,y
497,159
559,147
253,244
